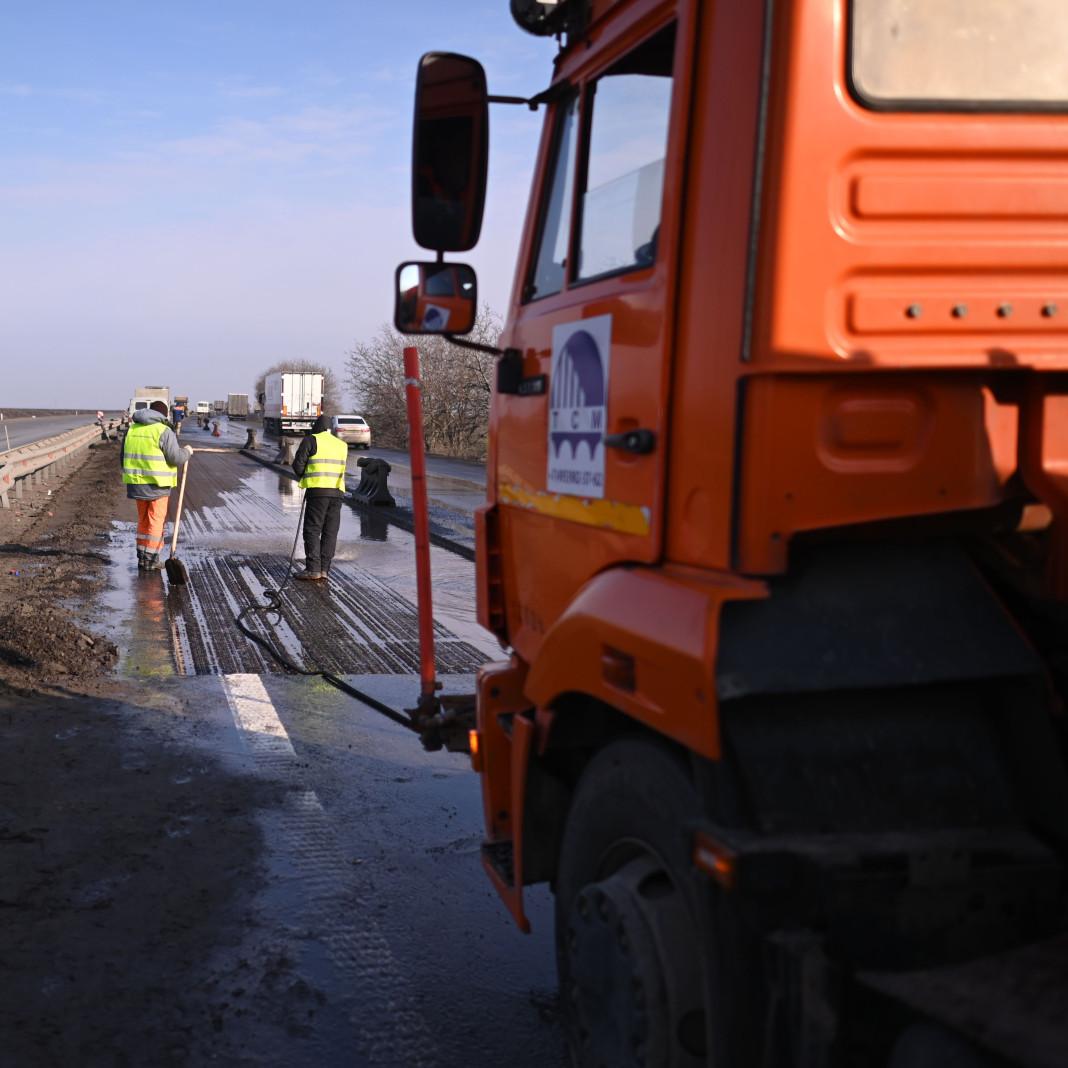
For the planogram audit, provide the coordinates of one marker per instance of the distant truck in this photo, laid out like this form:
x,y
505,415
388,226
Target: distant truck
x,y
293,400
237,405
219,407
145,395
203,407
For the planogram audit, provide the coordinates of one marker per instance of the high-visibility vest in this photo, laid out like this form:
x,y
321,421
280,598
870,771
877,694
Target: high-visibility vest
x,y
143,462
326,469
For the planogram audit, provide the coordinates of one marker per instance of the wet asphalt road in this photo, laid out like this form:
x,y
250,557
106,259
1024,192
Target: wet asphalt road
x,y
373,889
457,484
26,431
440,466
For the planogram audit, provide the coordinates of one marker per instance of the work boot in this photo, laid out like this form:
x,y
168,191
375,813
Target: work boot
x,y
153,562
309,576
140,559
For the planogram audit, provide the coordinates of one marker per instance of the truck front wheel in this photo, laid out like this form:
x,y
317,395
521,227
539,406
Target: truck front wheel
x,y
926,1045
627,940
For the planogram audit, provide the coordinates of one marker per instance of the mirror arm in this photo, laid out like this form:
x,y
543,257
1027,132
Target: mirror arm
x,y
546,96
475,346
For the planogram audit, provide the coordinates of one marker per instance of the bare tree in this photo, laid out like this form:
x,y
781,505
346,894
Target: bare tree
x,y
333,393
457,384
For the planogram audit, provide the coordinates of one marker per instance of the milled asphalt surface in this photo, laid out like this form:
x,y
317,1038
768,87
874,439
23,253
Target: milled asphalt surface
x,y
373,894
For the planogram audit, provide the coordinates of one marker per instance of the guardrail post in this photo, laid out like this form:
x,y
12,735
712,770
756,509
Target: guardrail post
x,y
18,487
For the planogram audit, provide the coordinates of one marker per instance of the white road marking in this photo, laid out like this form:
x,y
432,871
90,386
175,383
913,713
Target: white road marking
x,y
261,729
390,1029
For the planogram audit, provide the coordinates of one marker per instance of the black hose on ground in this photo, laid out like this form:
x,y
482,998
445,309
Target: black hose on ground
x,y
273,606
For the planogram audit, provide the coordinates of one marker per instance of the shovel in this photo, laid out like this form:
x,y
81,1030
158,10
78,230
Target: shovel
x,y
176,572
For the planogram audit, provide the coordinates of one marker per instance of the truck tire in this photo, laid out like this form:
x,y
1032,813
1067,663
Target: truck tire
x,y
926,1045
628,956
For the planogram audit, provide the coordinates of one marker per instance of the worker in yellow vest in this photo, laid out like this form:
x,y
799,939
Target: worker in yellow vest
x,y
150,457
320,465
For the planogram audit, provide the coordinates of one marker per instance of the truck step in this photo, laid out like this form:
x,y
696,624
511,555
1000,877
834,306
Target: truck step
x,y
500,856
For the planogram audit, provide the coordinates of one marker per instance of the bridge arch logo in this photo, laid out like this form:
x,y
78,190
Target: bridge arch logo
x,y
578,406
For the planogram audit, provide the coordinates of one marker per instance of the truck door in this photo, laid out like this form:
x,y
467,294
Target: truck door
x,y
580,452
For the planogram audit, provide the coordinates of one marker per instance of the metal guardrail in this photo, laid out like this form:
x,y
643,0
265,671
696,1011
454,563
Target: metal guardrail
x,y
42,460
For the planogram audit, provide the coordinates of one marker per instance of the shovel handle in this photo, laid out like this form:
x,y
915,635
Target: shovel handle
x,y
178,515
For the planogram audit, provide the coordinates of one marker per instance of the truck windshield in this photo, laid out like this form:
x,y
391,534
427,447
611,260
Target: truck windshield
x,y
962,54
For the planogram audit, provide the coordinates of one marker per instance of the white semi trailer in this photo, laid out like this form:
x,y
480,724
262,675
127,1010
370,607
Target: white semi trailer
x,y
293,400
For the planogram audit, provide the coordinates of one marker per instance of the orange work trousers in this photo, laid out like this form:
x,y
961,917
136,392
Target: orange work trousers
x,y
151,516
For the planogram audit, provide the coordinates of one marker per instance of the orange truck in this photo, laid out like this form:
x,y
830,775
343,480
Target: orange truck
x,y
776,532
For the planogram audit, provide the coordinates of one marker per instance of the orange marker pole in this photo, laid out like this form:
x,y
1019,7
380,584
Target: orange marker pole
x,y
413,389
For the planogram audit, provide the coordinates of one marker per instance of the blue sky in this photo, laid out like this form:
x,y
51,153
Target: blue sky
x,y
190,191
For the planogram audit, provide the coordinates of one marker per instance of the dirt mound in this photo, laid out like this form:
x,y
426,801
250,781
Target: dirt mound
x,y
37,637
51,568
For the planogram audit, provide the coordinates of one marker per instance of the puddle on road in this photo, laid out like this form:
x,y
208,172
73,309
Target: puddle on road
x,y
135,615
236,534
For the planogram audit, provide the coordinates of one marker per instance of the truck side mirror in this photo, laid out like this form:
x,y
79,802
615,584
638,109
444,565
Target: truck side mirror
x,y
435,298
449,152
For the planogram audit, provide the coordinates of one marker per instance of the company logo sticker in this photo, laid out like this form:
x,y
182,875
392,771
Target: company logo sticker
x,y
578,406
435,317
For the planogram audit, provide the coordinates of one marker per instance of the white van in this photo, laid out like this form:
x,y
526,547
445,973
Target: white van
x,y
353,430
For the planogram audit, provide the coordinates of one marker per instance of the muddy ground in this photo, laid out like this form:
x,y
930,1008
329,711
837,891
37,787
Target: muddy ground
x,y
51,566
108,909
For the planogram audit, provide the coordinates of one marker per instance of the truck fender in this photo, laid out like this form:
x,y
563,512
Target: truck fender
x,y
643,640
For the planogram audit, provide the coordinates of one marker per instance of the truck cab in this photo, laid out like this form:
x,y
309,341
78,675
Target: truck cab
x,y
776,531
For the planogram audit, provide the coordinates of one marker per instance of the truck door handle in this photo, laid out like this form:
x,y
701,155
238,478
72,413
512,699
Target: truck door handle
x,y
638,441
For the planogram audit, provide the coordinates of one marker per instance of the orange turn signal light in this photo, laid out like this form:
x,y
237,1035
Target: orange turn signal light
x,y
715,859
474,743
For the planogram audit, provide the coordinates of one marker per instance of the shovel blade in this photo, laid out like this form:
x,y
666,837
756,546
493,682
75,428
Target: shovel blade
x,y
176,572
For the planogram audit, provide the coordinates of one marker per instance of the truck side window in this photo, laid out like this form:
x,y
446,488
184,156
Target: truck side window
x,y
625,175
550,266
440,283
983,54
